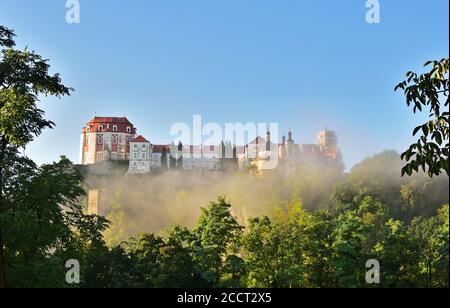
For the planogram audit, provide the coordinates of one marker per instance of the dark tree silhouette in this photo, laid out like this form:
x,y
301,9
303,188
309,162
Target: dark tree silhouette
x,y
429,90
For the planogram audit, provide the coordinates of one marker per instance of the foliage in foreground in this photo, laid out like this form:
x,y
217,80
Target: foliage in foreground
x,y
429,91
296,248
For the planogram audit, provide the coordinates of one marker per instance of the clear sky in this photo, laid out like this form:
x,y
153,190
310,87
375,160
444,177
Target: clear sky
x,y
304,64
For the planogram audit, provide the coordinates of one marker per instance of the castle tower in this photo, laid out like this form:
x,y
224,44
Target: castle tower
x,y
106,138
290,146
268,140
327,141
290,140
282,148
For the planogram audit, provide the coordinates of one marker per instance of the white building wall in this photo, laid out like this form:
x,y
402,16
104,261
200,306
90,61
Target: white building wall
x,y
89,157
140,157
156,160
81,153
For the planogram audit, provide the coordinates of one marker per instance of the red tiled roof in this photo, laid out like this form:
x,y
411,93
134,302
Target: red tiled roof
x,y
122,120
110,124
159,148
140,138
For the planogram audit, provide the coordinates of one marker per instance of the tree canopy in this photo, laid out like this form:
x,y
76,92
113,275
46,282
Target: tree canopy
x,y
42,223
431,91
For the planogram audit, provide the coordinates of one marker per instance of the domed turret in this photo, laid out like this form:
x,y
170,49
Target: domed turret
x,y
290,146
290,140
282,148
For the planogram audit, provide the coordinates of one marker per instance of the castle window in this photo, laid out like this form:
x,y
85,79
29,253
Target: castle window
x,y
128,129
135,155
88,128
100,128
114,139
100,139
114,128
144,156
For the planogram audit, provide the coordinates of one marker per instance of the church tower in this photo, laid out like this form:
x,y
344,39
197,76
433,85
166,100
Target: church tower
x,y
268,141
290,144
282,148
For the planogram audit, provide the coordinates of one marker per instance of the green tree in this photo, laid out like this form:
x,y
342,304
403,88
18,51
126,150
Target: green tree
x,y
274,251
159,262
379,177
178,268
433,238
121,226
423,196
291,223
44,225
24,75
146,251
397,252
110,268
429,90
97,270
265,254
317,250
218,233
350,251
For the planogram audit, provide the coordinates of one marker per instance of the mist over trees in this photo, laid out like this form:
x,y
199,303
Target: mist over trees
x,y
316,227
153,203
294,248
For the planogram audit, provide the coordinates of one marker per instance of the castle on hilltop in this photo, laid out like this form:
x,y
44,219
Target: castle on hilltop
x,y
115,139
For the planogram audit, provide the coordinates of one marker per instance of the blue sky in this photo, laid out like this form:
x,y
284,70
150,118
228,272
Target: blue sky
x,y
304,64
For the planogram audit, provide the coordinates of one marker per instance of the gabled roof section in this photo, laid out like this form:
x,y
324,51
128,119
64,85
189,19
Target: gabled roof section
x,y
258,140
140,138
161,148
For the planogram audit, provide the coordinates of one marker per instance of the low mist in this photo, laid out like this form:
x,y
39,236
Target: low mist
x,y
155,202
